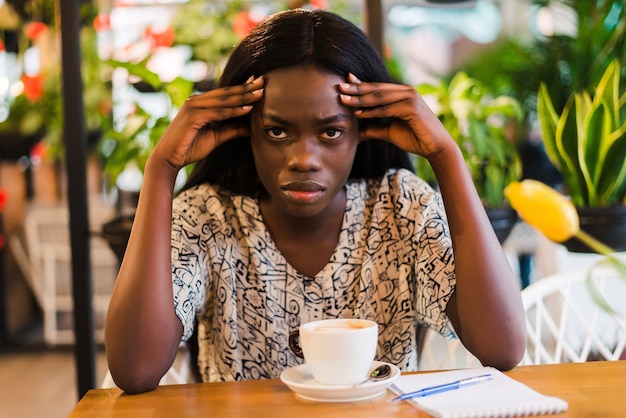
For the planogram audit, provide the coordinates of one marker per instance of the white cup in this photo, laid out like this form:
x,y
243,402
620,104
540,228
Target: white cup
x,y
338,351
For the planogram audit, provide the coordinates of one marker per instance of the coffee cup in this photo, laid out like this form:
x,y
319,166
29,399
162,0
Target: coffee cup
x,y
338,351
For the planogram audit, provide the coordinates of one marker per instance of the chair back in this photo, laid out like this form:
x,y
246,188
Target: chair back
x,y
566,324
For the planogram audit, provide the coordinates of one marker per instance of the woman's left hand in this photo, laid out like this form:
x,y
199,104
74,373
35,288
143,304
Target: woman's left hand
x,y
412,125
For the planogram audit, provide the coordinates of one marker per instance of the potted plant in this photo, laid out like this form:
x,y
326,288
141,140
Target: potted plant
x,y
588,35
479,122
587,144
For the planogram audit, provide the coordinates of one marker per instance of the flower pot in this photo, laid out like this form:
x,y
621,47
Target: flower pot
x,y
502,220
606,224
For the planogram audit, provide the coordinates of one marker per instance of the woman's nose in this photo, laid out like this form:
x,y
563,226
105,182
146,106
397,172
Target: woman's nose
x,y
304,155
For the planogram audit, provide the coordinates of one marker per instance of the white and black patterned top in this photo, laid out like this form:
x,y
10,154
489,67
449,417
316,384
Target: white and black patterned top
x,y
393,264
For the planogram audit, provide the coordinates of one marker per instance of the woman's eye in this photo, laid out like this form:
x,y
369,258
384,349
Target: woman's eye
x,y
332,133
276,133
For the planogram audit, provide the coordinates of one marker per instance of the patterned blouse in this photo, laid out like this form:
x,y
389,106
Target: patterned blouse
x,y
393,263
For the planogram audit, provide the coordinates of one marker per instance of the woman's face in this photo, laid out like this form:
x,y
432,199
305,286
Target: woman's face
x,y
303,140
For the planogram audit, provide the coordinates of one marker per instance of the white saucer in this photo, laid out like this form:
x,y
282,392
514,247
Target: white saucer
x,y
300,380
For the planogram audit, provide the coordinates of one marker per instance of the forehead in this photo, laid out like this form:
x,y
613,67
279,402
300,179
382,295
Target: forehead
x,y
302,88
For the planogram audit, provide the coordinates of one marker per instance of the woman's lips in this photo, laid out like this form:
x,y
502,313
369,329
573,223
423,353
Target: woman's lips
x,y
305,192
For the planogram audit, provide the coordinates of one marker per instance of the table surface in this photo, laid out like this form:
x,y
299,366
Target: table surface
x,y
594,389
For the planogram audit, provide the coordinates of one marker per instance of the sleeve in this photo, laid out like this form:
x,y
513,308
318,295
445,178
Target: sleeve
x,y
432,244
435,268
189,267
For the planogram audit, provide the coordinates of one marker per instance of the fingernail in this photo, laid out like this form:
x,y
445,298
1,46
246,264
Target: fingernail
x,y
345,97
250,79
354,78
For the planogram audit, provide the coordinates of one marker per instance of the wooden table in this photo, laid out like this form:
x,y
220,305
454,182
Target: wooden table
x,y
595,389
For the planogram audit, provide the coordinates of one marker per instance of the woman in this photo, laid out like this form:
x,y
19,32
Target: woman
x,y
301,207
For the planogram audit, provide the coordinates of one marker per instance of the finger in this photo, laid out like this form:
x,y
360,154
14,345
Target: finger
x,y
224,99
353,79
354,86
383,98
238,95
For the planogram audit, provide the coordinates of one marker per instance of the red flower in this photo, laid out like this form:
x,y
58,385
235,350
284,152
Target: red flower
x,y
33,87
319,4
243,23
164,38
312,4
4,196
102,23
2,47
35,29
38,151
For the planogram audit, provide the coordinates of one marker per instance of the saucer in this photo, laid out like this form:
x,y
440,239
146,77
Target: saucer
x,y
300,380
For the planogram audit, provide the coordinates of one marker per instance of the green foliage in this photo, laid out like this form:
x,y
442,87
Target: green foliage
x,y
43,116
477,121
142,130
521,61
207,27
587,141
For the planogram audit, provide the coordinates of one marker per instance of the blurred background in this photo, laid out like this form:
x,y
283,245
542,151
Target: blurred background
x,y
479,63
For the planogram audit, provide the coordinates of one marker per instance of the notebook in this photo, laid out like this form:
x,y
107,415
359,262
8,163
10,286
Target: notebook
x,y
501,396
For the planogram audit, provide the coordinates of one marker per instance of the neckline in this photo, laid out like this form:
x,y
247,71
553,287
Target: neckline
x,y
262,227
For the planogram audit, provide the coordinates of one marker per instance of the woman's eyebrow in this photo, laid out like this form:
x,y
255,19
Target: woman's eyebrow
x,y
338,117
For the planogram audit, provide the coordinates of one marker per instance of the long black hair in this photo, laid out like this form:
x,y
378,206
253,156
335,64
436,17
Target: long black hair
x,y
286,39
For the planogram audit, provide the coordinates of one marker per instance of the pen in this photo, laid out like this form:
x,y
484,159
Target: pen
x,y
444,387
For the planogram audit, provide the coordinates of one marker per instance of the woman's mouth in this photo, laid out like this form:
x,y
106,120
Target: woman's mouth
x,y
305,192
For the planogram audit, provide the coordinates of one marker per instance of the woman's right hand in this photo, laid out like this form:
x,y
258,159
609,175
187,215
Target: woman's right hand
x,y
139,353
193,133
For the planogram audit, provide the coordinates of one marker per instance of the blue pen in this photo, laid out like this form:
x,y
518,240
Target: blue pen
x,y
444,387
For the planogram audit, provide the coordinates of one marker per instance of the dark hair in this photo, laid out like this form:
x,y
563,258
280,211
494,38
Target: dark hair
x,y
285,39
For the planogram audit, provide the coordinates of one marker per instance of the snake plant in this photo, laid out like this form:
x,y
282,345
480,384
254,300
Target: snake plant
x,y
587,141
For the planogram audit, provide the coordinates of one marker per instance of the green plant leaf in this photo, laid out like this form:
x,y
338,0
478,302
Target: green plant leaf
x,y
140,70
594,290
506,106
612,179
592,146
566,141
479,139
428,89
178,90
548,120
608,90
494,186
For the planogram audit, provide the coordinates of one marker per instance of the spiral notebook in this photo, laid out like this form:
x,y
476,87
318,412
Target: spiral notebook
x,y
500,397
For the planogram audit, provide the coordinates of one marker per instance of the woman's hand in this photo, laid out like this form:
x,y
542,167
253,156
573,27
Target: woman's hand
x,y
197,129
412,126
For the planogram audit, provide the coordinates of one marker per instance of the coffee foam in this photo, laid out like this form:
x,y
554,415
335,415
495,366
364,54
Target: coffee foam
x,y
355,324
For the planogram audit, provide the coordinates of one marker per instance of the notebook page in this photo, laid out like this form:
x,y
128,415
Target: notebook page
x,y
500,397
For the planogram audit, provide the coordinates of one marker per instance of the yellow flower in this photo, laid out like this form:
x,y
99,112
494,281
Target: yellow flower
x,y
544,208
555,216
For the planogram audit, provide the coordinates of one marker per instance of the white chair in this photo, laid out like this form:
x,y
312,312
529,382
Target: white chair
x,y
564,322
44,256
438,353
